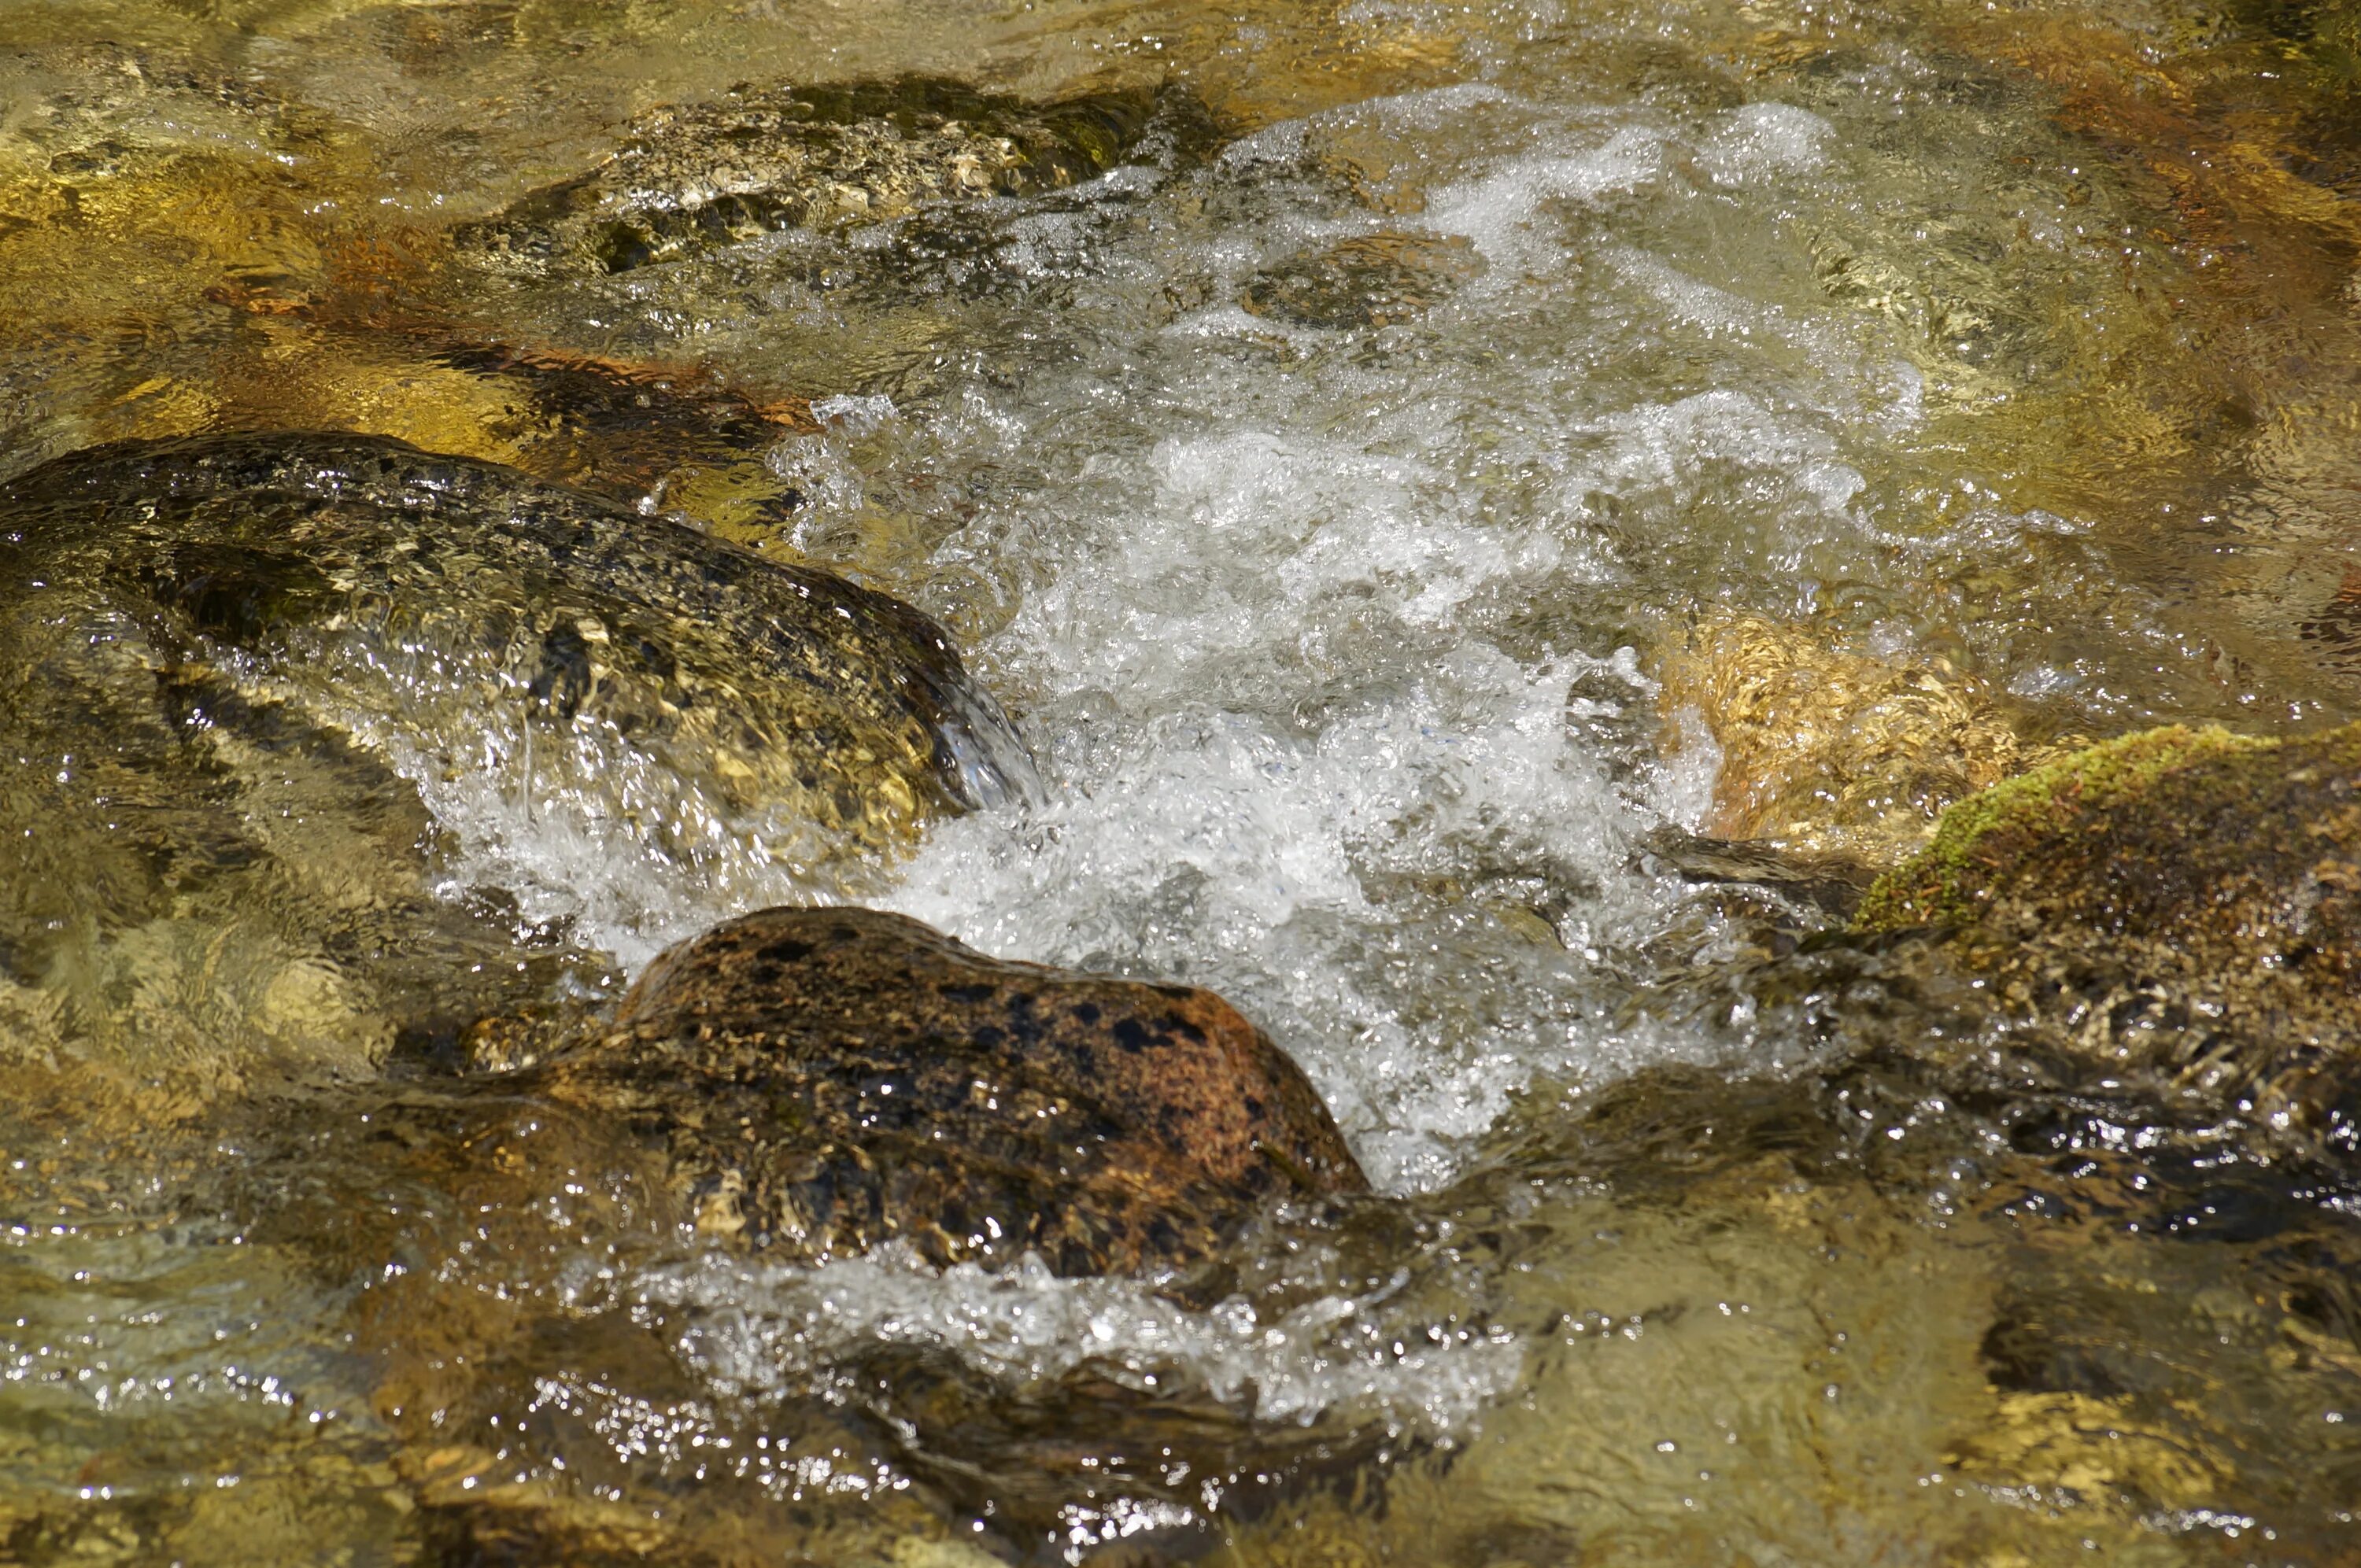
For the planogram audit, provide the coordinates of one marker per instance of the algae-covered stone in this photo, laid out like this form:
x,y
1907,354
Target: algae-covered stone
x,y
765,158
822,1080
2187,900
2131,834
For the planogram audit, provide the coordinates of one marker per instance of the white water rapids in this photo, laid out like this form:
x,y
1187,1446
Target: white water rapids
x,y
1322,635
1316,627
1321,504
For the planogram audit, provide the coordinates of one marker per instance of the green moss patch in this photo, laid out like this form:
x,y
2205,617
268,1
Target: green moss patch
x,y
1939,885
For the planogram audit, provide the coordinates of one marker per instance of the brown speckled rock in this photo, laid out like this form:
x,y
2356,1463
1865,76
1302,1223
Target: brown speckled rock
x,y
821,1080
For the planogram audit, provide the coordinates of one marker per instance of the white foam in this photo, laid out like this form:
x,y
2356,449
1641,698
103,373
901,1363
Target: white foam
x,y
753,1329
1496,209
1204,827
853,416
1269,603
1761,142
1218,849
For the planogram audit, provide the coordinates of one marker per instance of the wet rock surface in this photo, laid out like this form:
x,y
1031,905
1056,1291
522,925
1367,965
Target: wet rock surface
x,y
822,1080
236,666
337,569
795,1089
2179,900
1376,280
777,157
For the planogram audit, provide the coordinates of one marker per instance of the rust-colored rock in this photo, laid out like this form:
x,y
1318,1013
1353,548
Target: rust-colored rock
x,y
819,1081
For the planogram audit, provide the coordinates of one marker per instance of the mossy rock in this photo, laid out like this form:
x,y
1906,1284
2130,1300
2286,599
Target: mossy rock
x,y
2181,902
2134,833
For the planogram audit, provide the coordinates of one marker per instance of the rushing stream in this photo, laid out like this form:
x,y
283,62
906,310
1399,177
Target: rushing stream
x,y
1334,491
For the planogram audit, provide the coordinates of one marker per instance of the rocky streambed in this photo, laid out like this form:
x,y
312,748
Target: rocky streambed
x,y
1518,784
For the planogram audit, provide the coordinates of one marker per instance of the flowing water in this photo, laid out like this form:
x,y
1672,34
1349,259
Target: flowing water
x,y
1321,490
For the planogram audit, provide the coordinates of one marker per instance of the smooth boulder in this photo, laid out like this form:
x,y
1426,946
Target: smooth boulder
x,y
291,722
451,609
818,1082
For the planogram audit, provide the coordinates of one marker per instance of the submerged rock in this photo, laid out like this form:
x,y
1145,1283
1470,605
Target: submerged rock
x,y
2180,899
819,1081
210,257
1826,751
1377,279
651,435
777,157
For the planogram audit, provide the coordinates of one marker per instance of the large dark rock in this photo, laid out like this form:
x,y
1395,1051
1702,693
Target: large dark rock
x,y
820,1080
251,685
459,605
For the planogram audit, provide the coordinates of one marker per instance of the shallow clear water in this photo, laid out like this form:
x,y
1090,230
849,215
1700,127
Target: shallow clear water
x,y
1323,492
